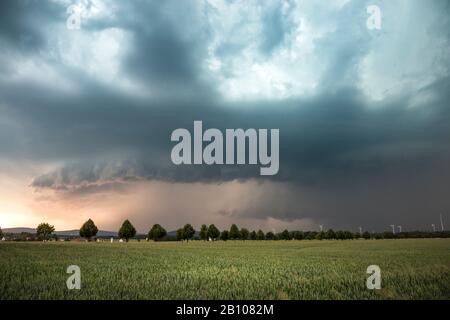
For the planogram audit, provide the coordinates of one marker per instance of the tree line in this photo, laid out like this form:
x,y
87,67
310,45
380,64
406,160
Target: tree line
x,y
127,231
157,233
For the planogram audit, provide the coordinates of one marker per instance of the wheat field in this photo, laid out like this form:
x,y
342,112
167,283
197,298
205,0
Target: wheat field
x,y
410,269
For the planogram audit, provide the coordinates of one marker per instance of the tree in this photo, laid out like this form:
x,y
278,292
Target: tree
x,y
330,234
234,232
88,230
366,235
127,230
348,235
188,232
1,233
213,232
298,235
320,235
388,235
180,234
253,235
340,235
310,235
285,235
270,236
44,231
225,235
260,235
157,232
204,232
244,234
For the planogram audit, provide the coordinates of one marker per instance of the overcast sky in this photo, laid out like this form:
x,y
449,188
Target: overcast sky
x,y
86,114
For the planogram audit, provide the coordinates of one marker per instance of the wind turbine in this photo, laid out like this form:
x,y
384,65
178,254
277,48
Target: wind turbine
x,y
393,228
434,227
442,223
400,229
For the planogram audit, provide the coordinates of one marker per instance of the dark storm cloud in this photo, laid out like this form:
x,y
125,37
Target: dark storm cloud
x,y
329,137
273,30
335,142
22,22
163,53
348,49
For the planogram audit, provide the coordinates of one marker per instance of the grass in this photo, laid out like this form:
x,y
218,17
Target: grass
x,y
411,269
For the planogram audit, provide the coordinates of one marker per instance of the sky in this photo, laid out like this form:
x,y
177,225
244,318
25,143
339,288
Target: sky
x,y
86,113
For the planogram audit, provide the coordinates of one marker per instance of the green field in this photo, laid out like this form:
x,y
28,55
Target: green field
x,y
411,269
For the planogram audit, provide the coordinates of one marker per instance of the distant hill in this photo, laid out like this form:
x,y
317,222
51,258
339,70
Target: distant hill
x,y
19,230
64,233
76,233
173,234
